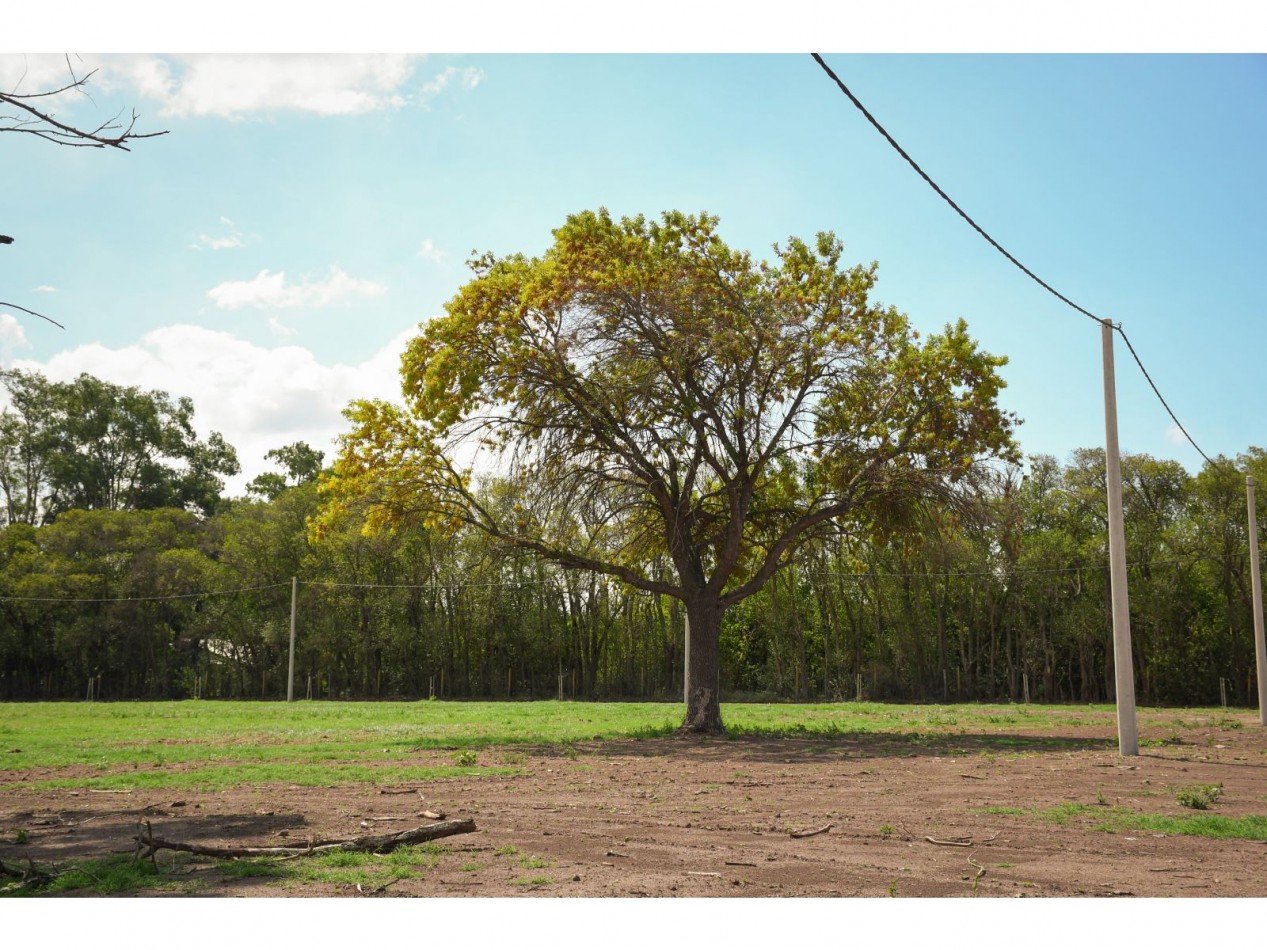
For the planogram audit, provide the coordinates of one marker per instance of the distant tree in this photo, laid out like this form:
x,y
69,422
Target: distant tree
x,y
93,444
644,390
28,435
300,464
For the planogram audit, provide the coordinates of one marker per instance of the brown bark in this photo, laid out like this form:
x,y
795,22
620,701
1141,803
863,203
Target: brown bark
x,y
703,700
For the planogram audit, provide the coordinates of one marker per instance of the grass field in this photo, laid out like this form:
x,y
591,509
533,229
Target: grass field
x,y
212,744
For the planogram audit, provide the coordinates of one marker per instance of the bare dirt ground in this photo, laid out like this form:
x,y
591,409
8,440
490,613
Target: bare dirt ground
x,y
887,816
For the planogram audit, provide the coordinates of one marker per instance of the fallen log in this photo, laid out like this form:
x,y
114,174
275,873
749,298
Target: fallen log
x,y
147,845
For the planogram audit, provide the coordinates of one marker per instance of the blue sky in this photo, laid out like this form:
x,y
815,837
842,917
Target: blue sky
x,y
270,256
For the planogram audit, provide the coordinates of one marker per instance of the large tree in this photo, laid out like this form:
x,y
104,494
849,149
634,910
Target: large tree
x,y
644,390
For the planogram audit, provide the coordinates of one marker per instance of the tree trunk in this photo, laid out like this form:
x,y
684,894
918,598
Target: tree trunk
x,y
703,702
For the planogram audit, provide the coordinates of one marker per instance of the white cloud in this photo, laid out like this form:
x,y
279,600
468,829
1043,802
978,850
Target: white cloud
x,y
430,252
235,86
258,397
217,243
271,290
25,74
12,337
279,329
1175,436
240,86
467,78
233,238
44,289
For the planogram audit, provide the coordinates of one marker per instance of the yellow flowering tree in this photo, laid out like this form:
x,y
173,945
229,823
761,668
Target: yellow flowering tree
x,y
642,394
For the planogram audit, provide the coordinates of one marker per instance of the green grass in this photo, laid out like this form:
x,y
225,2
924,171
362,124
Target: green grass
x,y
209,745
121,874
532,881
118,874
215,777
1114,819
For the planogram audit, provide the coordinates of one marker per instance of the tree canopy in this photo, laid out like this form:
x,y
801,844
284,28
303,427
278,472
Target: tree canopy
x,y
645,402
92,444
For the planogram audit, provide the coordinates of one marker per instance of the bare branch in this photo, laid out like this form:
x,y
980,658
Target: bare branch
x,y
4,303
34,118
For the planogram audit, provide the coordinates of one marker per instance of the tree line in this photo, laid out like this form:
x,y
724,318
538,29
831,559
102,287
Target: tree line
x,y
124,571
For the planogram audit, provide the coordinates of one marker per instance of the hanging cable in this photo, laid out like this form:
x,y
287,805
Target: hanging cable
x,y
1002,250
937,188
1140,364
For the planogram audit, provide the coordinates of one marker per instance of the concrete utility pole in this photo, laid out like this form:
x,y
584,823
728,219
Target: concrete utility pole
x,y
1123,664
290,679
1255,576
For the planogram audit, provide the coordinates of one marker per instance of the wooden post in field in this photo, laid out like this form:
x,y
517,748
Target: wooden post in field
x,y
290,679
1256,580
858,687
1123,663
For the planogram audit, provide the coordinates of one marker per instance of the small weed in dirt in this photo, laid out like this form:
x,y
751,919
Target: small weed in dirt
x,y
21,836
1200,797
470,866
466,758
886,829
893,888
506,850
534,862
532,881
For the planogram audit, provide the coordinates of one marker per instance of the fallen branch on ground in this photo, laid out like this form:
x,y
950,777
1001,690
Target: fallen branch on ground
x,y
147,845
31,877
961,843
810,834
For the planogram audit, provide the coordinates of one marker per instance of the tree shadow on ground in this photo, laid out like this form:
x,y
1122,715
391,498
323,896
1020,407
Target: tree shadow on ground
x,y
55,835
780,747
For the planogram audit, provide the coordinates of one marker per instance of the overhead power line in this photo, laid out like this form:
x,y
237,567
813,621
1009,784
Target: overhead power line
x,y
1140,364
1004,251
